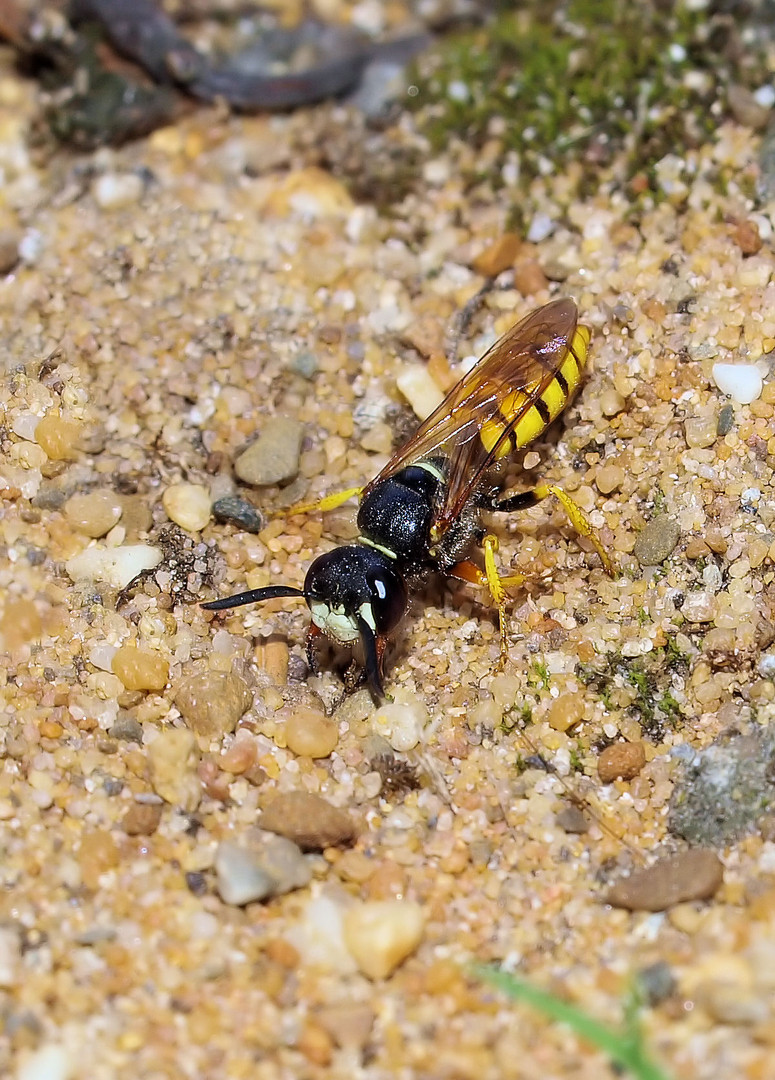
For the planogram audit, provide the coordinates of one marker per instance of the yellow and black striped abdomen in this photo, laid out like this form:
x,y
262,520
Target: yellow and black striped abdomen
x,y
545,406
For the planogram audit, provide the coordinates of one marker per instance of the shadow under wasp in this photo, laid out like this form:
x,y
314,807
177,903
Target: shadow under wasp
x,y
422,513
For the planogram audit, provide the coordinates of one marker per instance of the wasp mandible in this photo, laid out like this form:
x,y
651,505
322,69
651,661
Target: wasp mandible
x,y
422,513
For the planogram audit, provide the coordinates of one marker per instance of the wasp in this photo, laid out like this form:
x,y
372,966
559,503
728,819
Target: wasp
x,y
422,513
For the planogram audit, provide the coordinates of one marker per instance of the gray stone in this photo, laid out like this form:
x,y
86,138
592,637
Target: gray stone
x,y
274,456
263,865
231,510
656,541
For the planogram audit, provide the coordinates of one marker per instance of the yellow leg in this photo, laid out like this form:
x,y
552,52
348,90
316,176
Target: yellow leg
x,y
577,519
328,502
498,586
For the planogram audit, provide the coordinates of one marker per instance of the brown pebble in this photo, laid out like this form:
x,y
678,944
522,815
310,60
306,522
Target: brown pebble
x,y
141,819
694,874
9,249
746,236
529,278
20,623
315,1043
97,854
309,820
621,761
499,255
95,513
348,1024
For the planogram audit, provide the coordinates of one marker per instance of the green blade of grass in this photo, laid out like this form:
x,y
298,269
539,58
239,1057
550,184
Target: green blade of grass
x,y
624,1047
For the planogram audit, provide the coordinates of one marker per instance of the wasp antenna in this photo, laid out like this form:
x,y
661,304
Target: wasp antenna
x,y
371,657
252,596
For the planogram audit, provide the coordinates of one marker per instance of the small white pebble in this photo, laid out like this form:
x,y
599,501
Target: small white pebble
x,y
116,566
419,389
401,722
188,505
47,1063
742,382
541,228
114,191
765,96
380,934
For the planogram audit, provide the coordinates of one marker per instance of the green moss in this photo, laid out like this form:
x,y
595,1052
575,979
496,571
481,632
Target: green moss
x,y
580,80
650,678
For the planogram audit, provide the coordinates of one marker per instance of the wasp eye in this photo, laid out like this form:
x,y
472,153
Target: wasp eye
x,y
388,600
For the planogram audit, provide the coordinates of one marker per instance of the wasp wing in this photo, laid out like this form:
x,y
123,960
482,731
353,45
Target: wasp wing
x,y
520,365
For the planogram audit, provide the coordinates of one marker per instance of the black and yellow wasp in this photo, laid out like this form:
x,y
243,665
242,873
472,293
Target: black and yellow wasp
x,y
422,513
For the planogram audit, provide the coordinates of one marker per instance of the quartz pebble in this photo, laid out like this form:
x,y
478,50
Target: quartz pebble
x,y
401,721
274,456
260,866
700,431
140,669
695,874
415,383
50,1062
609,478
115,191
309,733
188,505
172,760
742,382
566,711
656,541
58,438
621,761
115,566
381,934
231,510
309,820
213,703
93,514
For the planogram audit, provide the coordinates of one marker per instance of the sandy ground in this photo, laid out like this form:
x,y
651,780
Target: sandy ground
x,y
171,298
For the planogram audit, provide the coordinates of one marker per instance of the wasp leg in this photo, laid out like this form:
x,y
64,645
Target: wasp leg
x,y
328,502
497,584
578,520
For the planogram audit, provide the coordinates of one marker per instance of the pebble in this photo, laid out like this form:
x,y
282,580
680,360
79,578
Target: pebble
x,y
572,820
747,238
700,431
309,820
274,456
263,865
742,382
115,566
127,729
566,711
656,982
698,606
529,278
58,438
609,478
10,239
745,108
49,1062
695,874
10,957
188,505
172,761
349,1025
381,934
141,819
213,703
402,721
417,386
656,541
231,510
611,402
498,256
93,514
20,623
309,733
726,419
115,191
621,761
140,669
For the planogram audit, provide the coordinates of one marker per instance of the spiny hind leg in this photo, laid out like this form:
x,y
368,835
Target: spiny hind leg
x,y
496,583
576,515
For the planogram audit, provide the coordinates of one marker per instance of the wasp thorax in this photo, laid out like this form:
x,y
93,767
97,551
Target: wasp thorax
x,y
353,585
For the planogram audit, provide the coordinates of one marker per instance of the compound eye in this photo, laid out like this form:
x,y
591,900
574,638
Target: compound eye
x,y
388,601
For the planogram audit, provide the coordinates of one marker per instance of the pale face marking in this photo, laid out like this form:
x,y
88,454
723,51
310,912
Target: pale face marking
x,y
339,626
